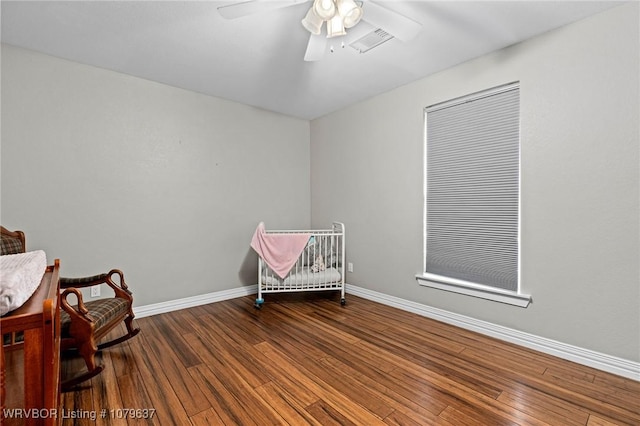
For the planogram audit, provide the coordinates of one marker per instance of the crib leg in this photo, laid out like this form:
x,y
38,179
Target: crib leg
x,y
259,303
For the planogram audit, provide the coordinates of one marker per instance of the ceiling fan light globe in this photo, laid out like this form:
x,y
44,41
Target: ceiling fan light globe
x,y
312,22
335,27
353,18
325,9
351,13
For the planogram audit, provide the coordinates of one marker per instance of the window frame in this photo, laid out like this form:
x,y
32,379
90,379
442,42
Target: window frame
x,y
460,286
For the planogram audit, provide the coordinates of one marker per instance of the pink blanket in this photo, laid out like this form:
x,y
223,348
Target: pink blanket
x,y
279,251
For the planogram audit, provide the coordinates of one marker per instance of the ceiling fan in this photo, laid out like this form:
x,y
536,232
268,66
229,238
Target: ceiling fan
x,y
339,16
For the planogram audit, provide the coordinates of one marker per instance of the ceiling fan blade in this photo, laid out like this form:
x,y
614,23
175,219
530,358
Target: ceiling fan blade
x,y
315,48
249,7
398,25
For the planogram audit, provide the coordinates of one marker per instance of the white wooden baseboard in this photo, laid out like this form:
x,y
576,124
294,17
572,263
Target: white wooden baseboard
x,y
189,302
604,362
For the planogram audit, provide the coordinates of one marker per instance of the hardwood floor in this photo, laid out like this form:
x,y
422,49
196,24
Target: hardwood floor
x,y
307,360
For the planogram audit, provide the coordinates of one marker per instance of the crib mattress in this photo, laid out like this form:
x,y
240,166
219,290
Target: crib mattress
x,y
303,277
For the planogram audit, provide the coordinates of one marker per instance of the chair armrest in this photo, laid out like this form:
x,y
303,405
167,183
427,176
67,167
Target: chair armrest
x,y
82,281
119,285
78,310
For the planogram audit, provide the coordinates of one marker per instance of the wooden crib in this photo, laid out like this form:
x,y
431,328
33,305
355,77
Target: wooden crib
x,y
30,368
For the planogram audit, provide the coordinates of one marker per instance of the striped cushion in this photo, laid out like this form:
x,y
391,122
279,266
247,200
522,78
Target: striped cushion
x,y
102,311
10,245
79,282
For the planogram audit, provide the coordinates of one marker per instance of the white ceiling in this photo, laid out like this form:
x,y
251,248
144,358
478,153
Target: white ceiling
x,y
258,59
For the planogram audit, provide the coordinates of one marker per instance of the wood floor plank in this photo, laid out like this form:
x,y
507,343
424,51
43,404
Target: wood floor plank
x,y
248,398
191,398
597,421
286,374
401,399
328,415
125,362
398,418
169,409
227,407
180,321
228,374
330,345
312,361
349,386
134,395
329,396
317,325
364,324
496,360
616,382
463,398
246,326
587,396
613,396
296,340
571,374
207,417
224,352
106,395
510,366
450,365
545,407
288,406
78,401
164,324
415,349
456,417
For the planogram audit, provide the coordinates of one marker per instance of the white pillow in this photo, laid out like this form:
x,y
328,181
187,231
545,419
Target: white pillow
x,y
20,276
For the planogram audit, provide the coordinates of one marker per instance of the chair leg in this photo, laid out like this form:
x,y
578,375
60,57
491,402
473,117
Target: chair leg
x,y
129,323
67,385
130,333
88,352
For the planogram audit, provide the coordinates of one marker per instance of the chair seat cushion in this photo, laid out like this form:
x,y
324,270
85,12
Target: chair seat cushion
x,y
102,311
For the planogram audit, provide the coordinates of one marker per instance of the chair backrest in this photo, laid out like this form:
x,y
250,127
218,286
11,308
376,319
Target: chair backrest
x,y
12,242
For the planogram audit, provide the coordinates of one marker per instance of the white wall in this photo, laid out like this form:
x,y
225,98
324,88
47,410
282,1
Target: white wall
x,y
580,183
105,170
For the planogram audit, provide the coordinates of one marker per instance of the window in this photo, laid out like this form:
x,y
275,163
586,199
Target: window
x,y
472,192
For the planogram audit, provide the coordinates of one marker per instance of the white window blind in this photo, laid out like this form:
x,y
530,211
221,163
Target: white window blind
x,y
472,189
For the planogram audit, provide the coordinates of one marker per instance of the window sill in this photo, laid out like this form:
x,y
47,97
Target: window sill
x,y
475,290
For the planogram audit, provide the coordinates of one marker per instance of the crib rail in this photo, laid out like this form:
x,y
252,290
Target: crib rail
x,y
321,266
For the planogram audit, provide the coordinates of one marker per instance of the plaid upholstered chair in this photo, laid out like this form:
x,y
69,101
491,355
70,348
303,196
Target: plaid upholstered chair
x,y
84,324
